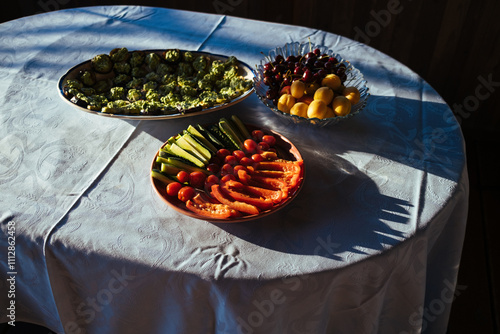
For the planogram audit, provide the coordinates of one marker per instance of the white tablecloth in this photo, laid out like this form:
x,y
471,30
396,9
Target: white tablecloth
x,y
371,244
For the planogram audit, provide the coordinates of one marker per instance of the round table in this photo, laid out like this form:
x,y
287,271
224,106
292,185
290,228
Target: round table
x,y
371,244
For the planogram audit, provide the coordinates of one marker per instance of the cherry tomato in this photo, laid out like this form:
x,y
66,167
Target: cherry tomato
x,y
250,145
212,179
226,169
197,179
231,159
209,182
257,158
246,161
213,168
238,167
183,176
223,153
186,193
239,154
263,146
228,177
257,135
269,139
173,188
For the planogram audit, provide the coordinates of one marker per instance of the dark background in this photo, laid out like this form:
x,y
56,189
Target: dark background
x,y
450,43
455,46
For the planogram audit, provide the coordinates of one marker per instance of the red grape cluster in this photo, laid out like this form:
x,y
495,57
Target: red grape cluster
x,y
310,68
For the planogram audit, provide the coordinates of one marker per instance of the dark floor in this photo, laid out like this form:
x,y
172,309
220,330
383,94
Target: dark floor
x,y
476,309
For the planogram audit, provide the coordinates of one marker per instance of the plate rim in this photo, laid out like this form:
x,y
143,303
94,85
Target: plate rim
x,y
244,218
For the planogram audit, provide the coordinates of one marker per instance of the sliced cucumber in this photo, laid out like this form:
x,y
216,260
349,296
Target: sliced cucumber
x,y
186,166
226,127
222,137
241,127
169,169
186,146
210,136
163,153
199,136
177,150
235,129
155,173
171,140
205,152
161,160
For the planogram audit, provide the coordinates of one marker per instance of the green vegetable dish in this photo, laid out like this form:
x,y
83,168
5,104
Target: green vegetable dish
x,y
156,82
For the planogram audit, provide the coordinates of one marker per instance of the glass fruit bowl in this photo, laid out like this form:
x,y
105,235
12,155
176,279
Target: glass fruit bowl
x,y
350,76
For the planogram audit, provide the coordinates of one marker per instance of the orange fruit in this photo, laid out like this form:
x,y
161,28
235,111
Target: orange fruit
x,y
299,109
331,80
341,106
286,102
317,109
352,94
298,89
324,94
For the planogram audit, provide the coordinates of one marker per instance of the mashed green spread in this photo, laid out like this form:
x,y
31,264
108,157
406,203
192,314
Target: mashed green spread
x,y
150,83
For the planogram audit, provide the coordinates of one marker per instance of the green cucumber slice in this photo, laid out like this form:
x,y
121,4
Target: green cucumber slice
x,y
186,166
169,169
199,136
210,136
177,150
241,127
223,138
155,173
205,152
185,145
230,132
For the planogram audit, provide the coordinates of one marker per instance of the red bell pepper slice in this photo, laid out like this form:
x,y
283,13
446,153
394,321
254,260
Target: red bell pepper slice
x,y
243,176
236,191
274,195
205,208
237,205
290,172
281,165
